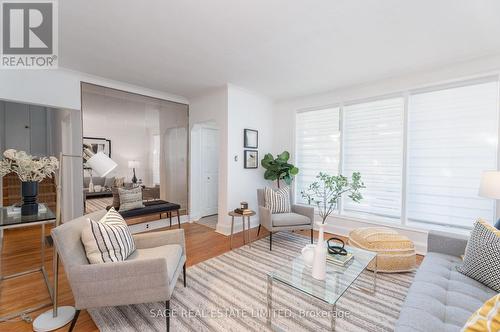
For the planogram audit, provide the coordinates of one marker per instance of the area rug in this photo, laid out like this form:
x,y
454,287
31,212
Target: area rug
x,y
210,221
229,293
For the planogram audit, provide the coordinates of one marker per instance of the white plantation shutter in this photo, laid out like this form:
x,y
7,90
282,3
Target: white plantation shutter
x,y
317,146
452,138
373,146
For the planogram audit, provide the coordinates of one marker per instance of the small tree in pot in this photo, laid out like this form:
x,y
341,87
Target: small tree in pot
x,y
279,168
326,192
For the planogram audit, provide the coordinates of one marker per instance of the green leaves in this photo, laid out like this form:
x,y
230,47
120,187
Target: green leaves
x,y
278,168
326,192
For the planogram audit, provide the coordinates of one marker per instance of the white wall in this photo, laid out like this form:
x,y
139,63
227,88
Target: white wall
x,y
246,110
284,116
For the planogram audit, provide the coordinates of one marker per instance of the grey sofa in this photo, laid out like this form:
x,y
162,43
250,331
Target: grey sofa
x,y
301,218
148,275
440,298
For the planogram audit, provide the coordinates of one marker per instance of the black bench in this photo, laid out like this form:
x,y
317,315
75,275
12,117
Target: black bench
x,y
154,207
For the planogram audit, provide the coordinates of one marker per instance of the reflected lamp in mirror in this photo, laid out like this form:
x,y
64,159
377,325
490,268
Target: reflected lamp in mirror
x,y
133,164
490,187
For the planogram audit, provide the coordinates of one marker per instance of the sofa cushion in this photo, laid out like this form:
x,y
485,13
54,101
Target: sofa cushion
x,y
486,318
172,254
289,219
440,298
130,198
150,207
482,256
278,199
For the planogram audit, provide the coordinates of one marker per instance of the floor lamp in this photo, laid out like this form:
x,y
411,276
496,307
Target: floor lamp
x,y
57,317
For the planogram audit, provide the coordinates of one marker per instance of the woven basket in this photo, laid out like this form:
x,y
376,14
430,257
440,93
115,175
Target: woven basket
x,y
395,252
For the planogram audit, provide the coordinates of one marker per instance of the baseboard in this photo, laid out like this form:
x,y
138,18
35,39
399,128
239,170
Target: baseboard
x,y
156,224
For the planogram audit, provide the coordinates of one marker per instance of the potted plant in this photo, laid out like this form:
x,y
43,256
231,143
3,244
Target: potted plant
x,y
278,168
30,170
325,194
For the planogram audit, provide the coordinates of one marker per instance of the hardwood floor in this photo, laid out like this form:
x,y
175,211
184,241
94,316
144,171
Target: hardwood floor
x,y
22,251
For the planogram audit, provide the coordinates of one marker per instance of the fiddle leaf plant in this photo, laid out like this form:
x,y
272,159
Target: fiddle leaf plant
x,y
278,168
326,192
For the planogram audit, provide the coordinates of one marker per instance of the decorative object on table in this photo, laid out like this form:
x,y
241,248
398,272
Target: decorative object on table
x,y
490,188
336,246
91,182
133,164
279,168
97,188
278,201
482,255
251,158
251,138
243,205
57,317
308,254
243,209
325,194
340,260
395,252
30,170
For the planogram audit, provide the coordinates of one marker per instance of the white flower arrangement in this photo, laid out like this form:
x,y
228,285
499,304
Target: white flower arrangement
x,y
27,167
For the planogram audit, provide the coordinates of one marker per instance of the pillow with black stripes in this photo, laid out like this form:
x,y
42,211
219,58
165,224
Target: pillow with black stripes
x,y
278,200
108,240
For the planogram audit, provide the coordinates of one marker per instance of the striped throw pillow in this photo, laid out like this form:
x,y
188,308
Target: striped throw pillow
x,y
482,255
108,240
278,200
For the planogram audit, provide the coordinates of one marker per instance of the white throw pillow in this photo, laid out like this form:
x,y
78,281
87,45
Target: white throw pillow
x,y
108,240
130,198
278,200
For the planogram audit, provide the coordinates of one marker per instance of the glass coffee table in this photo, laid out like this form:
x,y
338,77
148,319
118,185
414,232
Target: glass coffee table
x,y
338,280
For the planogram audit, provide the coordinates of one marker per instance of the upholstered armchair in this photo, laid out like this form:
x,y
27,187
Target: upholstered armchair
x,y
148,275
301,218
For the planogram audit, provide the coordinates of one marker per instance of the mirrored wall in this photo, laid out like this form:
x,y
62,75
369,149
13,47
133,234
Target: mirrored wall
x,y
146,137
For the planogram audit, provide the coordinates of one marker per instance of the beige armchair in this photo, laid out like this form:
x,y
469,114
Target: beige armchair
x,y
148,275
301,217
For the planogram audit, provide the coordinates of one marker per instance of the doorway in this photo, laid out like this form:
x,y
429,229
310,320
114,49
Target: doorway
x,y
205,173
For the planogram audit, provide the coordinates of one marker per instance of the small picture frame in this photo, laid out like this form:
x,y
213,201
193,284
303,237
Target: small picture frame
x,y
251,159
250,138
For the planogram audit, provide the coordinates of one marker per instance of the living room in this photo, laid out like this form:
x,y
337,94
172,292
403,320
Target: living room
x,y
322,166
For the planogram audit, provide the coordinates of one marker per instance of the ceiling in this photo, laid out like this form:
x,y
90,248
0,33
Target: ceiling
x,y
280,48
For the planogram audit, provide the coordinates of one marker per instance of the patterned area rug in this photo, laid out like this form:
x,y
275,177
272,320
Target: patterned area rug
x,y
229,292
96,204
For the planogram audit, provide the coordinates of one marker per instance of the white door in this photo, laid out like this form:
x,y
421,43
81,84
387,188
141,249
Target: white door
x,y
17,129
209,170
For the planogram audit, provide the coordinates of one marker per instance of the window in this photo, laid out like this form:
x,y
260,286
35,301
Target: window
x,y
373,145
452,138
317,146
420,155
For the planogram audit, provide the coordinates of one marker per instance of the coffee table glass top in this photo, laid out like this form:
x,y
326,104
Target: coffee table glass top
x,y
338,278
44,214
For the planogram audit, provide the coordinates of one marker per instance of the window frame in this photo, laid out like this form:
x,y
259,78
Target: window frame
x,y
406,95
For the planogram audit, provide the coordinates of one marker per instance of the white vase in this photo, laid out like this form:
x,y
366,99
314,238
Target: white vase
x,y
308,254
319,263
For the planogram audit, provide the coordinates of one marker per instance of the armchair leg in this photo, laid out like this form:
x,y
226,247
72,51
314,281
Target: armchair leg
x,y
258,230
167,314
312,239
270,241
73,322
184,273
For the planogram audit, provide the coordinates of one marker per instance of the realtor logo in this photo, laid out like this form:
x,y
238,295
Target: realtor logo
x,y
29,34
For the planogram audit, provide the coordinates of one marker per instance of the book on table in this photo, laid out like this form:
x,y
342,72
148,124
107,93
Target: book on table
x,y
243,211
341,260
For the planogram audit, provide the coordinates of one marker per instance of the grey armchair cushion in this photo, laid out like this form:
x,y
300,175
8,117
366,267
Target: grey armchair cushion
x,y
171,253
289,219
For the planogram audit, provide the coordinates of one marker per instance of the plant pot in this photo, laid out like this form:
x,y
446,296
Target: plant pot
x,y
319,262
29,191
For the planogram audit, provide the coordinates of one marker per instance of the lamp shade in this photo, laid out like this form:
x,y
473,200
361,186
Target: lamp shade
x,y
101,164
490,185
133,164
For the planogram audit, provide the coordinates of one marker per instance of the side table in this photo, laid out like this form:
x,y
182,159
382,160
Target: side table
x,y
245,234
46,216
